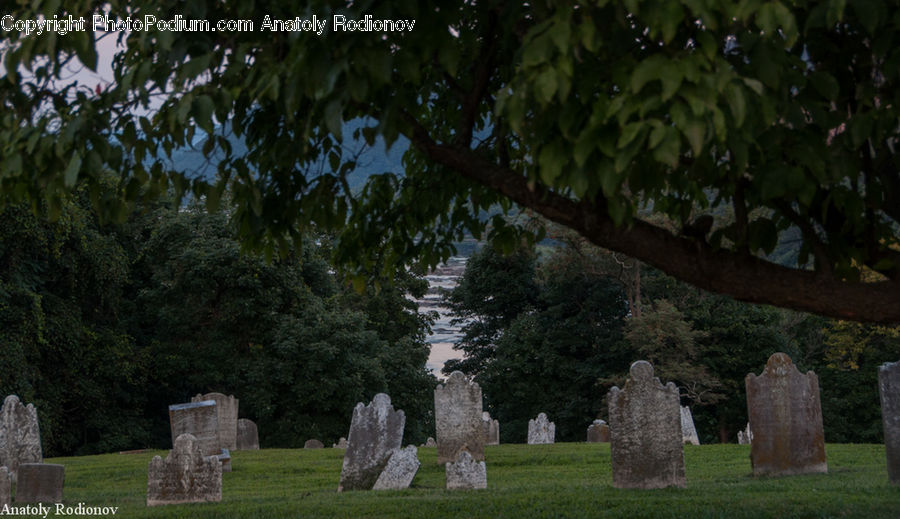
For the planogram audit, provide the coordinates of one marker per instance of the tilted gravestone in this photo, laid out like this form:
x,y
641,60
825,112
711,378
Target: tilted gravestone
x,y
889,388
200,420
784,408
341,444
226,416
745,436
645,432
313,444
20,437
491,429
376,430
598,432
541,430
40,483
247,435
185,476
457,416
400,470
465,472
5,487
688,431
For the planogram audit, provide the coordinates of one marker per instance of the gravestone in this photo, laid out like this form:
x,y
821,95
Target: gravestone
x,y
247,435
745,436
341,444
400,470
784,408
225,460
20,437
465,472
645,432
40,483
491,429
200,420
5,487
313,444
688,431
541,430
185,476
889,389
457,416
598,432
430,442
376,430
226,416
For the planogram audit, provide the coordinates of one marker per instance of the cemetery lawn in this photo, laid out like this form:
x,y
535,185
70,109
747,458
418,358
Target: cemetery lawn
x,y
561,480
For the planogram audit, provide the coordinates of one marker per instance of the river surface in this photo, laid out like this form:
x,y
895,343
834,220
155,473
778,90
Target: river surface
x,y
443,334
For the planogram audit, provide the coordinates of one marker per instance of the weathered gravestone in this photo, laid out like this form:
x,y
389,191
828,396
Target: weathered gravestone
x,y
400,470
226,416
430,443
645,432
784,408
313,444
376,430
341,444
745,436
688,431
185,476
457,416
5,487
541,430
40,483
225,460
598,432
491,429
465,472
200,420
889,388
20,437
247,435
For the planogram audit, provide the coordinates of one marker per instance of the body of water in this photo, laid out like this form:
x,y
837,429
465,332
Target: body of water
x,y
444,335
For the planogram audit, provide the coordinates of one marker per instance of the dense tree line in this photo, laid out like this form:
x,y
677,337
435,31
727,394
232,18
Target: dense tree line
x,y
103,326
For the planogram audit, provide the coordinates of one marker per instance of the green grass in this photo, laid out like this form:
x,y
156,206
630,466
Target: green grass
x,y
561,480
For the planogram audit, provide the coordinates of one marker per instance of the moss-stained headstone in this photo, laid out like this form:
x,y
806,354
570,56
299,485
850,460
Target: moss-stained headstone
x,y
5,487
541,430
598,432
465,473
40,483
457,416
20,436
199,419
247,435
185,476
226,418
376,430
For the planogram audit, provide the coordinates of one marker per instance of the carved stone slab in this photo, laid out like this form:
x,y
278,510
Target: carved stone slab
x,y
541,430
199,419
645,432
889,388
457,415
227,416
341,444
5,487
466,473
784,408
688,431
40,483
185,476
313,444
491,429
376,430
745,436
598,432
430,442
20,436
247,435
400,470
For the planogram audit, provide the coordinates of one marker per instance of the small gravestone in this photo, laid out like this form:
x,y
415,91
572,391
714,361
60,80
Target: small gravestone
x,y
376,430
745,436
400,470
491,429
430,442
200,420
889,388
341,444
688,431
40,483
20,437
541,430
598,432
247,435
226,418
784,408
225,460
457,416
313,444
465,472
645,432
185,476
5,487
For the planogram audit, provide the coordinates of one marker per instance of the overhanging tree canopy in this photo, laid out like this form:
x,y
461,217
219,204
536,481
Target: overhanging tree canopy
x,y
733,120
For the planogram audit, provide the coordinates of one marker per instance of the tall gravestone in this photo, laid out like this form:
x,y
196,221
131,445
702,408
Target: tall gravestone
x,y
226,416
5,487
20,437
200,420
784,408
889,388
598,432
465,473
376,430
40,483
247,435
491,429
457,416
745,436
688,431
541,430
645,432
185,476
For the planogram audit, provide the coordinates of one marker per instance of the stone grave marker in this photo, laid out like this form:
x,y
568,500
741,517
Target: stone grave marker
x,y
457,416
185,476
688,431
40,483
200,420
889,389
20,436
430,443
376,430
341,444
784,408
400,470
247,435
541,430
225,460
5,487
598,432
645,432
491,429
313,444
226,416
465,472
745,436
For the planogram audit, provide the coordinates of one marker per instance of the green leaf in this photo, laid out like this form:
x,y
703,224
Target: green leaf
x,y
835,12
646,71
735,96
754,85
334,118
695,132
545,85
71,174
860,128
203,108
825,84
629,132
669,149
